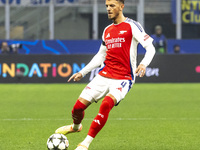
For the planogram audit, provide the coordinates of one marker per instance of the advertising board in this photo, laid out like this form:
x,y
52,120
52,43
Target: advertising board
x,y
58,68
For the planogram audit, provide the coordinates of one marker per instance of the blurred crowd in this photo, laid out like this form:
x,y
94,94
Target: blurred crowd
x,y
7,48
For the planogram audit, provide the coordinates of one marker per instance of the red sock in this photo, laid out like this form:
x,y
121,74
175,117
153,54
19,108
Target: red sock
x,y
78,112
100,120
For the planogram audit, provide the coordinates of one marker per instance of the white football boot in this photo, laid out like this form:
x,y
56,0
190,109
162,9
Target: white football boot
x,y
68,129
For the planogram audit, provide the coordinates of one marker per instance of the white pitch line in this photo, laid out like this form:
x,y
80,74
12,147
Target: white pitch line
x,y
114,119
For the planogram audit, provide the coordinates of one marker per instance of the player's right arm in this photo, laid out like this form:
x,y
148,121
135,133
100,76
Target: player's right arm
x,y
96,61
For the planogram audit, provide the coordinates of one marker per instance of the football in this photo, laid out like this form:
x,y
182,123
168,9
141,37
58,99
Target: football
x,y
57,142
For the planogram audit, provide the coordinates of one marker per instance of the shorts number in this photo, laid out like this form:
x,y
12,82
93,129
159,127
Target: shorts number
x,y
123,84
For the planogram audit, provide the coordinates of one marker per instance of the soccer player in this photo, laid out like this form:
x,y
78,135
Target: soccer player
x,y
117,55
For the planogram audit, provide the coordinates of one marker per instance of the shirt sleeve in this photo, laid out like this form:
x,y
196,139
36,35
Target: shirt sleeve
x,y
150,52
96,61
146,41
140,35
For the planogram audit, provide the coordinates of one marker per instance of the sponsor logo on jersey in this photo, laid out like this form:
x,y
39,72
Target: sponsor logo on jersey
x,y
122,32
114,42
108,35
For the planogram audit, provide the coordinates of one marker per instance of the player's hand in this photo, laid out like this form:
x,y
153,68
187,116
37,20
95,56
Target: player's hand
x,y
140,71
77,77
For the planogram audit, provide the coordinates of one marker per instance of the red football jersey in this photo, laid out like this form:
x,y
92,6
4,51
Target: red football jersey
x,y
121,41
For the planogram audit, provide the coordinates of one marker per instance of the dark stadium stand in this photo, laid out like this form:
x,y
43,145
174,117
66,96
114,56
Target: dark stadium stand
x,y
91,46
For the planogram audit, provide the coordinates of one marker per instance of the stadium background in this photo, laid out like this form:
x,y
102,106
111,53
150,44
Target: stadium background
x,y
60,37
64,27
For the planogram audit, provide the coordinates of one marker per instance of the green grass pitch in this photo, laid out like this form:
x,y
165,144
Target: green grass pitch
x,y
151,117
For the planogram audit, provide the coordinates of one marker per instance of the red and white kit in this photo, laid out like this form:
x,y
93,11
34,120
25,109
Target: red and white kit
x,y
117,55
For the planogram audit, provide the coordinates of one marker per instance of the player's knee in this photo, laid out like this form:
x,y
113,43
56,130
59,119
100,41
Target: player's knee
x,y
78,107
107,103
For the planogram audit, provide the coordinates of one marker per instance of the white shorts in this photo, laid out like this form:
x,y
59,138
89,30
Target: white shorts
x,y
101,86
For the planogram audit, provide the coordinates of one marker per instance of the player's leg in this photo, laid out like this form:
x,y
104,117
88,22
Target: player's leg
x,y
117,91
95,89
78,112
77,115
99,121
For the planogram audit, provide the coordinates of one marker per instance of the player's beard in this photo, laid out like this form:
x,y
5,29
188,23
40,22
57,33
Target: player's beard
x,y
114,17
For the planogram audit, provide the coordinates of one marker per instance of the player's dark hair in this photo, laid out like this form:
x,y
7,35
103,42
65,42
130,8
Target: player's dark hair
x,y
122,1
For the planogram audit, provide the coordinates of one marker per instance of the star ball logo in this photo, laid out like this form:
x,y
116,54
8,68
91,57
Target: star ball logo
x,y
197,69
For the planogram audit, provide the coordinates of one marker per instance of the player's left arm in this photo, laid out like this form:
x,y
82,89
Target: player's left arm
x,y
147,42
150,52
